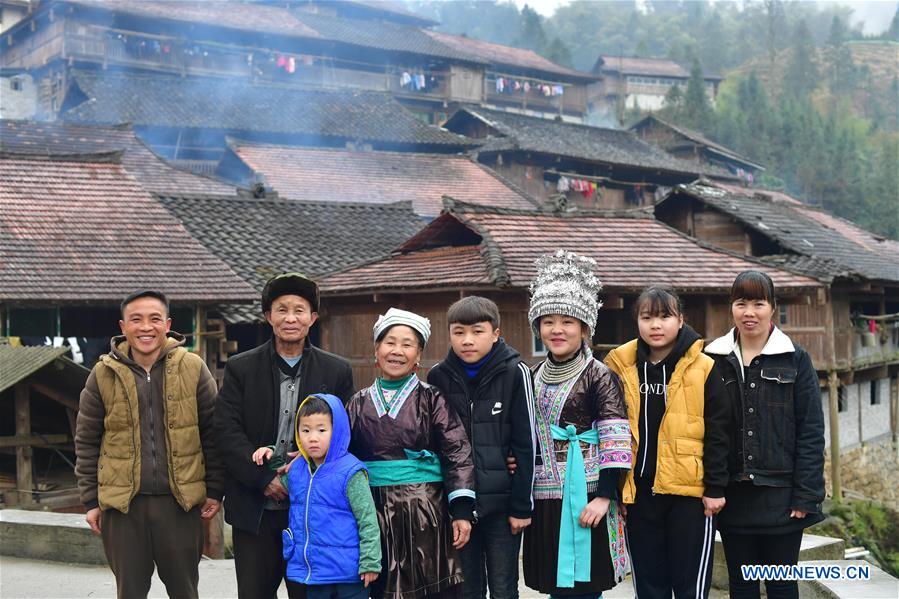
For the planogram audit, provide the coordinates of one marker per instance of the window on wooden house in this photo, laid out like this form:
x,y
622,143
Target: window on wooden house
x,y
842,405
783,314
537,347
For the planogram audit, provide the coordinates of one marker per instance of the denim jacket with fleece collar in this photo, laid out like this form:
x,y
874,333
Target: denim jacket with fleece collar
x,y
778,428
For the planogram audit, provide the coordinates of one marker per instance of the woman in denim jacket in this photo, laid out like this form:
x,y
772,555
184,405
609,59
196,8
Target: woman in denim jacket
x,y
776,459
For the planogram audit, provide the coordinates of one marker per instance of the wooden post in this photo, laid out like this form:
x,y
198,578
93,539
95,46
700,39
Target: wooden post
x,y
199,329
708,325
24,481
894,408
833,386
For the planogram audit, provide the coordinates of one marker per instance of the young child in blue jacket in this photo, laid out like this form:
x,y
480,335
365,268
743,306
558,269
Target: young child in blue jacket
x,y
333,543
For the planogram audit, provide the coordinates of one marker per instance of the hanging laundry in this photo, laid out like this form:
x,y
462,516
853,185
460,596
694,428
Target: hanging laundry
x,y
558,90
405,79
77,356
564,184
281,62
291,65
527,86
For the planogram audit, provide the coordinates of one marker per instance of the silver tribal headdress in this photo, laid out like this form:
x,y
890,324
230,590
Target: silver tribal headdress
x,y
565,284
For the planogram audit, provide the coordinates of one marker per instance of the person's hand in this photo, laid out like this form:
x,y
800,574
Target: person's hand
x,y
511,464
712,505
461,533
593,513
798,514
368,577
518,524
275,490
286,467
210,508
262,454
92,517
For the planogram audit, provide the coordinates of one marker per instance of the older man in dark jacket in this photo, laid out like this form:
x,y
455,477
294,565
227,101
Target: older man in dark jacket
x,y
255,408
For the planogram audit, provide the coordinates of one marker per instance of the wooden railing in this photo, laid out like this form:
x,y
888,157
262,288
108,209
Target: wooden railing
x,y
535,93
115,47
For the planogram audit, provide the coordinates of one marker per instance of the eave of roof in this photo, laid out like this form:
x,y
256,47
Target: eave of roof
x,y
699,138
21,362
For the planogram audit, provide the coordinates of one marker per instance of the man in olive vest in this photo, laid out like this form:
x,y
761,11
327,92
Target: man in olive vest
x,y
147,468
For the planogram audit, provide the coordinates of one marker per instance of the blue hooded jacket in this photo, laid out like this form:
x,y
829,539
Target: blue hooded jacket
x,y
321,545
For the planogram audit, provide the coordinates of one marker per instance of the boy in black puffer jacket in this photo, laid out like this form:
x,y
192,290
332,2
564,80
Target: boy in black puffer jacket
x,y
491,389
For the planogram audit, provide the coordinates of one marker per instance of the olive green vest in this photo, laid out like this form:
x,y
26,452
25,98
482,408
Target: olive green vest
x,y
679,468
118,471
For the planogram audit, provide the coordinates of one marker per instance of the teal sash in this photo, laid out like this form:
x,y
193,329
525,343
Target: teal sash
x,y
418,467
574,540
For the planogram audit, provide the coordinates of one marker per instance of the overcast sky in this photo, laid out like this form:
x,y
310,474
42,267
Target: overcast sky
x,y
875,13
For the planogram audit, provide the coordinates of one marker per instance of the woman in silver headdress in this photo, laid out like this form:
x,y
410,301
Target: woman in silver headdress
x,y
575,545
420,466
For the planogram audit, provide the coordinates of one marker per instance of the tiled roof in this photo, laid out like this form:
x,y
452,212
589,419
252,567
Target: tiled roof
x,y
69,140
803,230
21,362
696,137
500,55
391,9
88,232
513,240
819,268
582,142
279,20
210,103
631,65
382,35
434,268
378,177
253,16
260,238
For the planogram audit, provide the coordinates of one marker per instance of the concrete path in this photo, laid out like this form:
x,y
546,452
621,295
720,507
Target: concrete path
x,y
33,579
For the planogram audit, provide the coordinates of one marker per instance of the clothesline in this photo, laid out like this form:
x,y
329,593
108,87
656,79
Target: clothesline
x,y
506,85
598,179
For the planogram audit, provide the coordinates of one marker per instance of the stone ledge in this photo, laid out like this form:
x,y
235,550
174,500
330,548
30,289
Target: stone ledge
x,y
814,547
880,586
49,536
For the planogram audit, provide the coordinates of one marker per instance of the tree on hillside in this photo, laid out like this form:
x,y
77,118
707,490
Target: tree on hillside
x,y
697,112
842,73
801,76
530,34
774,20
893,32
558,52
673,103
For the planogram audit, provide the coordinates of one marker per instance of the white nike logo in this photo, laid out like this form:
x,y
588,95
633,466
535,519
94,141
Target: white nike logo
x,y
497,408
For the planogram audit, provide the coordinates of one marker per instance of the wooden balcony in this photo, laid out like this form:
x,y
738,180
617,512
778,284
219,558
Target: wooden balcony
x,y
874,349
536,94
107,47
